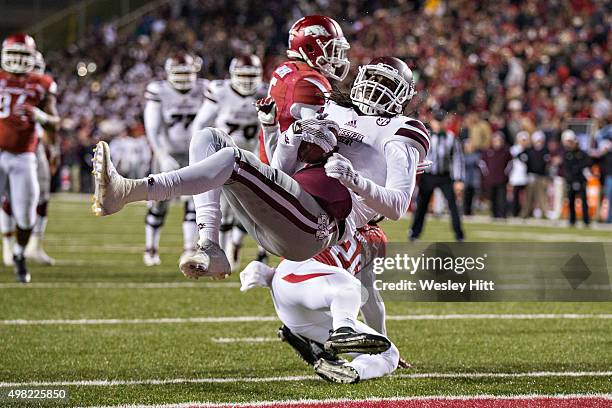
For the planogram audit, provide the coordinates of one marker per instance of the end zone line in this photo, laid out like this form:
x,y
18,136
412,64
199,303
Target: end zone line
x,y
425,398
243,319
113,383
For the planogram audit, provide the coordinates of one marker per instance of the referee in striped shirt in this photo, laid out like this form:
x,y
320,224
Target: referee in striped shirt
x,y
446,173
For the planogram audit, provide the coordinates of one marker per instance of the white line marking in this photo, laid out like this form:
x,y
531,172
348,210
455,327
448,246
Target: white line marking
x,y
302,402
244,319
119,285
158,381
225,340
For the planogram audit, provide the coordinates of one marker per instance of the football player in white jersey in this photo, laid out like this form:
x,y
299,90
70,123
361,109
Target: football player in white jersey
x,y
230,107
171,107
312,298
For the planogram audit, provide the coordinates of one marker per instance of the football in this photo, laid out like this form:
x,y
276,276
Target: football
x,y
311,153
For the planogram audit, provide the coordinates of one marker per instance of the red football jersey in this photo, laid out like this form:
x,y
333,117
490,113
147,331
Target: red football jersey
x,y
16,135
369,242
294,84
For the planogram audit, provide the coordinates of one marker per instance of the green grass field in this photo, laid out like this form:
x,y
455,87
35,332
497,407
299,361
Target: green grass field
x,y
100,276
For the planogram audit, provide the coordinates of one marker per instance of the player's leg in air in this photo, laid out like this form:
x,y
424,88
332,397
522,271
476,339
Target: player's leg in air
x,y
279,211
35,250
7,228
318,305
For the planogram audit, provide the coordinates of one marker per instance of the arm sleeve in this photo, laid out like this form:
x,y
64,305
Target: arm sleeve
x,y
393,199
458,165
153,126
285,154
206,115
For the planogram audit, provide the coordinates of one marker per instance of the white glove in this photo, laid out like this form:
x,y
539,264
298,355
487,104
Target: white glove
x,y
339,167
319,131
167,162
266,111
256,274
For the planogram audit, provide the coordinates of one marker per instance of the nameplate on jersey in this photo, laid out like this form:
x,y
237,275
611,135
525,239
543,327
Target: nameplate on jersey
x,y
283,70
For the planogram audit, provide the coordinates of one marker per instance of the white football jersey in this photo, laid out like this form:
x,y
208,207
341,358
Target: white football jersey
x,y
178,110
362,138
235,113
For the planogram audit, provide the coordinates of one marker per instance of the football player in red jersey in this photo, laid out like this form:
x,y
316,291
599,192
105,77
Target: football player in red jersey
x,y
317,51
26,98
47,156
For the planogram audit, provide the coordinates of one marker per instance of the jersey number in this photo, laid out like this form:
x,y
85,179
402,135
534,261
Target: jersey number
x,y
5,103
184,119
249,131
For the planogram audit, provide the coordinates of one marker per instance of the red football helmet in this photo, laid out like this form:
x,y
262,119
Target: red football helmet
x,y
18,53
182,71
319,41
246,74
384,86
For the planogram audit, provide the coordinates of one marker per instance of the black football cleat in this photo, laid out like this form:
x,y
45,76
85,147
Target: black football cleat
x,y
336,372
347,340
308,350
21,272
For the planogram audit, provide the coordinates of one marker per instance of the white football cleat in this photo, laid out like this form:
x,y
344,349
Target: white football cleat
x,y
7,250
208,260
35,252
112,191
151,258
336,371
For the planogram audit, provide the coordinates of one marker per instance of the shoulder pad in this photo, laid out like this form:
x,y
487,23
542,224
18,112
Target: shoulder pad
x,y
213,92
410,131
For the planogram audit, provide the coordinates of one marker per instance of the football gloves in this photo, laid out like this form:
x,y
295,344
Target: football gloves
x,y
340,168
319,131
266,111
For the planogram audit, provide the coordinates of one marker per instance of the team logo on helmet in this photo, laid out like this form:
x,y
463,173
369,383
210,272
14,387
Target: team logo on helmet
x,y
316,31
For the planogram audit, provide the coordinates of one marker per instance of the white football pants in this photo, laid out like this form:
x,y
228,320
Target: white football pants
x,y
312,299
18,178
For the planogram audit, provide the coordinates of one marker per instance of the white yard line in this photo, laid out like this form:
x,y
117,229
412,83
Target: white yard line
x,y
119,285
211,380
244,319
302,402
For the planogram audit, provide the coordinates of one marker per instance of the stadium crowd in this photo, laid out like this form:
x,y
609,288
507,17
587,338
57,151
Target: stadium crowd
x,y
506,77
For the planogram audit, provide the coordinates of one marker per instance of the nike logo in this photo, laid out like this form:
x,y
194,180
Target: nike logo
x,y
293,278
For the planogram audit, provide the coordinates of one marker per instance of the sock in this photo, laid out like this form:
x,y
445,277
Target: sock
x,y
238,236
376,365
7,222
344,306
18,250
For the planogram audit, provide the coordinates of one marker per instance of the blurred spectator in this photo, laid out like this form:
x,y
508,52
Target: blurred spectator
x,y
575,171
538,161
496,165
446,173
472,180
518,172
478,131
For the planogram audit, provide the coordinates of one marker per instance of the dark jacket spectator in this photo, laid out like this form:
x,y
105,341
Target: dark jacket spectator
x,y
575,168
495,165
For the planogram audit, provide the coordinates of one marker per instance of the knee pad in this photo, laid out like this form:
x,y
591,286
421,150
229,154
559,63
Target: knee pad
x,y
157,214
42,209
190,214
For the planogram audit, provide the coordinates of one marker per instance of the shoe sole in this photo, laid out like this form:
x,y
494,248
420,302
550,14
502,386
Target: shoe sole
x,y
339,374
361,343
195,266
100,168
